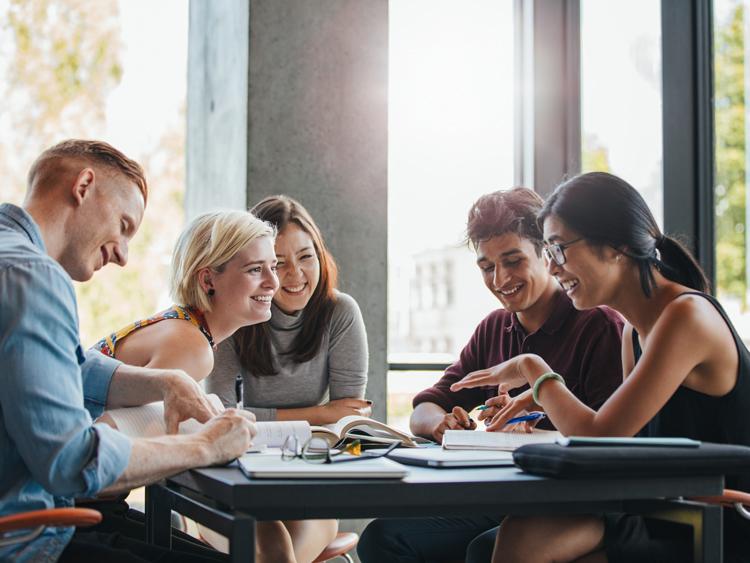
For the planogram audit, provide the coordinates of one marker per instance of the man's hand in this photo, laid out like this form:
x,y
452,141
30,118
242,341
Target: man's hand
x,y
222,439
457,419
228,435
184,399
339,408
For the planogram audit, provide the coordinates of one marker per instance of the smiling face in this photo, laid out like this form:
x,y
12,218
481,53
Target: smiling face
x,y
245,286
102,226
590,276
512,271
298,269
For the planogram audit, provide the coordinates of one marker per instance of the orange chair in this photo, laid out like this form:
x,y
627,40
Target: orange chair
x,y
341,545
36,520
731,498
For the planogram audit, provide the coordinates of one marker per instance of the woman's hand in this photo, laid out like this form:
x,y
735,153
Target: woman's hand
x,y
516,406
506,376
507,405
337,409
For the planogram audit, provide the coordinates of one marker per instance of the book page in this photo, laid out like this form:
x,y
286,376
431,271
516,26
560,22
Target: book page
x,y
325,433
147,421
508,441
365,424
273,434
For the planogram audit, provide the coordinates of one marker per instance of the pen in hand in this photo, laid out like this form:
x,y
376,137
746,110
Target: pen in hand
x,y
534,415
238,382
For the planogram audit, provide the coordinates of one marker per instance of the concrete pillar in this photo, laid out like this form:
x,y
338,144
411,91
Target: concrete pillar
x,y
217,106
290,96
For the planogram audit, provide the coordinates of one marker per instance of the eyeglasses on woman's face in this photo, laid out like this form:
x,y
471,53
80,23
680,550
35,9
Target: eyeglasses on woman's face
x,y
555,252
318,450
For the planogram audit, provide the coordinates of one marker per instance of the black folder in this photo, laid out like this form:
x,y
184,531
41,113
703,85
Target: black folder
x,y
554,460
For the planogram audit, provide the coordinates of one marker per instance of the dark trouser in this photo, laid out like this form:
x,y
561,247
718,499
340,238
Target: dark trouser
x,y
428,540
121,538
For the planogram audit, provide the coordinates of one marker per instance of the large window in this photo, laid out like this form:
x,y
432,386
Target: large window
x,y
450,141
112,70
731,79
621,119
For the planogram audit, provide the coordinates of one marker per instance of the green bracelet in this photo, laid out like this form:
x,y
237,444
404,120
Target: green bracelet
x,y
541,379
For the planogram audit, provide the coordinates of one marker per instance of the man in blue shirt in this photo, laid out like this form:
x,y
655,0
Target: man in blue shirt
x,y
84,203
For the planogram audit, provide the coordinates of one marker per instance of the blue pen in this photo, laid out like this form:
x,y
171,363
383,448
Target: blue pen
x,y
536,415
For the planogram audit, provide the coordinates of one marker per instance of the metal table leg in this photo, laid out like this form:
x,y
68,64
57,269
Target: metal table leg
x,y
706,520
158,512
242,539
238,527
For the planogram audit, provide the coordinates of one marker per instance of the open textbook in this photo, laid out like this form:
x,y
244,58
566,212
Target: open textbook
x,y
147,421
506,441
366,430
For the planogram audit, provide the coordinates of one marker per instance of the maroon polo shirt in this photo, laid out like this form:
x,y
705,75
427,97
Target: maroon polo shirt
x,y
582,346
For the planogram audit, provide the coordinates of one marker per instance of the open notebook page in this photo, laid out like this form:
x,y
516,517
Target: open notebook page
x,y
147,421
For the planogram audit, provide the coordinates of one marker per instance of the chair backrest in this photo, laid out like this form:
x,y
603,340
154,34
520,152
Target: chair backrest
x,y
731,498
341,545
36,520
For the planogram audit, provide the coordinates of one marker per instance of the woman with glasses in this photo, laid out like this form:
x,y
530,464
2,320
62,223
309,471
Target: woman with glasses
x,y
687,370
310,361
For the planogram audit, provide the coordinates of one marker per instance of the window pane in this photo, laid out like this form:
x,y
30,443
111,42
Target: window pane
x,y
730,78
621,117
450,140
112,70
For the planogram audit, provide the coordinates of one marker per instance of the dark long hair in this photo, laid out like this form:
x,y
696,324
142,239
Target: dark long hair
x,y
253,342
608,211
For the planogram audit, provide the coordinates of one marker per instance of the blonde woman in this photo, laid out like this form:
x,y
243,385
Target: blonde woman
x,y
223,277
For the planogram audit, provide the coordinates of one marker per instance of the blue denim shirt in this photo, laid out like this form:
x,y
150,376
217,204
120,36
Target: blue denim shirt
x,y
50,452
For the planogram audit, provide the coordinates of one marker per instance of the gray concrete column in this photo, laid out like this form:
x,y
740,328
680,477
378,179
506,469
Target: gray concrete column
x,y
290,96
217,108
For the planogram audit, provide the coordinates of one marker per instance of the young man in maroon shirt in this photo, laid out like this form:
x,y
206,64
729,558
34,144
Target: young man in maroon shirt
x,y
536,317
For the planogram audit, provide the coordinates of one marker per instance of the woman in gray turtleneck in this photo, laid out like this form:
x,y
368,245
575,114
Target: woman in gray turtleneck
x,y
309,362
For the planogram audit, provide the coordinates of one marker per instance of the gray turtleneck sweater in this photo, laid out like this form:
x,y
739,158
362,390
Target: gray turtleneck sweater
x,y
339,371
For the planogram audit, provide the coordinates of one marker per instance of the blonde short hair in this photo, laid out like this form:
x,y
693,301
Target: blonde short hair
x,y
210,241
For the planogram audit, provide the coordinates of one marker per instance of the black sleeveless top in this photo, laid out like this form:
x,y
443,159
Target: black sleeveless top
x,y
724,419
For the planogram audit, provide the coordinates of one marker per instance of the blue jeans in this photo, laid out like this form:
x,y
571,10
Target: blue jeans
x,y
428,540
